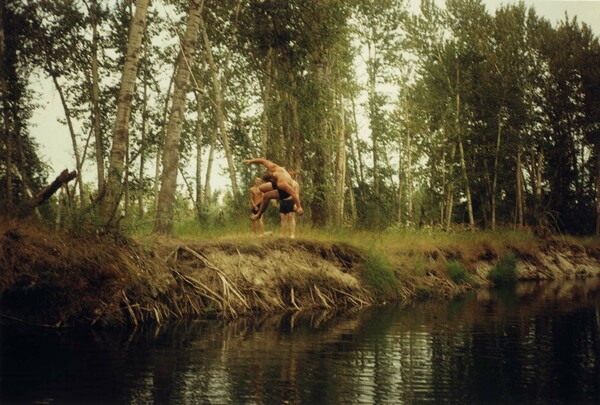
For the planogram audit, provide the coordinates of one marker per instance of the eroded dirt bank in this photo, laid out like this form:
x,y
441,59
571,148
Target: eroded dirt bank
x,y
65,280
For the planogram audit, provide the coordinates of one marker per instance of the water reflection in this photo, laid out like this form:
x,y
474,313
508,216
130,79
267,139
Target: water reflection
x,y
538,343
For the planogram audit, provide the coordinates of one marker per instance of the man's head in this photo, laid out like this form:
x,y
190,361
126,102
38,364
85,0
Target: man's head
x,y
257,181
267,176
292,173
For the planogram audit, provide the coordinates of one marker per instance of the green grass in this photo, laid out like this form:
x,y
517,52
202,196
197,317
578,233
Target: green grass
x,y
380,277
458,273
505,272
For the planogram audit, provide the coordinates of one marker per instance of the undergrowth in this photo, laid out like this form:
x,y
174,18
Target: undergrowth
x,y
458,273
380,277
505,272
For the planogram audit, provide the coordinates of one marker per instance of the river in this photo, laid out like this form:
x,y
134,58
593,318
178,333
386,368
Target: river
x,y
538,343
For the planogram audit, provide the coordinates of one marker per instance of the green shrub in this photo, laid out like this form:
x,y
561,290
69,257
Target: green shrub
x,y
458,273
505,272
380,277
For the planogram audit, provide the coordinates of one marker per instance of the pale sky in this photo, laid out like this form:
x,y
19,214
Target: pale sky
x,y
55,142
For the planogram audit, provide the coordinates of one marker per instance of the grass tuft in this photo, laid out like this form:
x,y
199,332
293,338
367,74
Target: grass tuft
x,y
380,276
458,273
505,272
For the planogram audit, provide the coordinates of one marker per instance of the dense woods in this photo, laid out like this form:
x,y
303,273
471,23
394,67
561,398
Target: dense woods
x,y
394,114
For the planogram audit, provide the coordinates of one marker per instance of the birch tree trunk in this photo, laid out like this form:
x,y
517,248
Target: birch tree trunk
x,y
6,135
211,156
409,191
519,191
219,108
170,160
450,190
96,95
73,136
199,196
400,178
161,137
143,149
462,158
340,170
495,180
266,96
114,185
467,187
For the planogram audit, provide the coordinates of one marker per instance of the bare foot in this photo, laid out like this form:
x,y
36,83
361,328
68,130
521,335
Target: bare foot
x,y
292,237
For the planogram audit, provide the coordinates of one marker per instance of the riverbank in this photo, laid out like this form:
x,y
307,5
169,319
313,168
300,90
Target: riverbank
x,y
62,279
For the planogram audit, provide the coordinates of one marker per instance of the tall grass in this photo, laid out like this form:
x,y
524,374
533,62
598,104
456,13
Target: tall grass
x,y
505,272
458,273
379,276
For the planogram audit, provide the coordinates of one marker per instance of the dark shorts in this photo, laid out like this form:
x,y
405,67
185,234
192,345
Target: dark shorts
x,y
283,195
253,210
286,206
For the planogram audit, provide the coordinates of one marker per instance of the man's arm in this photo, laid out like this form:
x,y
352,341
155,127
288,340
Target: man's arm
x,y
260,161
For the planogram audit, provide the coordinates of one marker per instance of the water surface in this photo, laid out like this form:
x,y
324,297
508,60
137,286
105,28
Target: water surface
x,y
536,344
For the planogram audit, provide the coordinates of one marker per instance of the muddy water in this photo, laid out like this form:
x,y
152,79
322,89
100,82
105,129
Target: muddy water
x,y
536,344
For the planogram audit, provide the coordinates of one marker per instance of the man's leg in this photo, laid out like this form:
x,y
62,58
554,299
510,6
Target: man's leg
x,y
267,197
283,218
261,226
292,222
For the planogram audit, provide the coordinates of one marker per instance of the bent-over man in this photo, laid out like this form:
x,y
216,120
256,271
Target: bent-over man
x,y
278,186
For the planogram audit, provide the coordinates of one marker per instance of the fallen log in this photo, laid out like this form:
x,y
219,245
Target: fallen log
x,y
63,178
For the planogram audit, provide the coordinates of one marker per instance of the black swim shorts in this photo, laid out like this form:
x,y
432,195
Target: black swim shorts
x,y
286,206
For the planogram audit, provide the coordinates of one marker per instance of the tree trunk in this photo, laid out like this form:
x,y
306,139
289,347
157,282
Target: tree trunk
x,y
519,191
6,135
266,96
143,149
400,179
450,190
211,154
73,136
495,179
161,137
114,185
219,108
96,95
409,190
467,187
352,200
462,159
373,117
340,170
170,160
199,154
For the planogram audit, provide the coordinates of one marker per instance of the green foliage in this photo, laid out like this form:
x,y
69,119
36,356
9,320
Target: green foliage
x,y
505,272
380,277
458,273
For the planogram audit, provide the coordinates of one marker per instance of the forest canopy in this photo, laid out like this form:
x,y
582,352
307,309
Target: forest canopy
x,y
474,118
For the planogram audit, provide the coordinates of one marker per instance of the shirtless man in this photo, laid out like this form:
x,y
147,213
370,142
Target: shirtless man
x,y
255,199
278,186
286,209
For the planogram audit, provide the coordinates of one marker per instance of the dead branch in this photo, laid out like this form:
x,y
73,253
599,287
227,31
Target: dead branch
x,y
47,192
